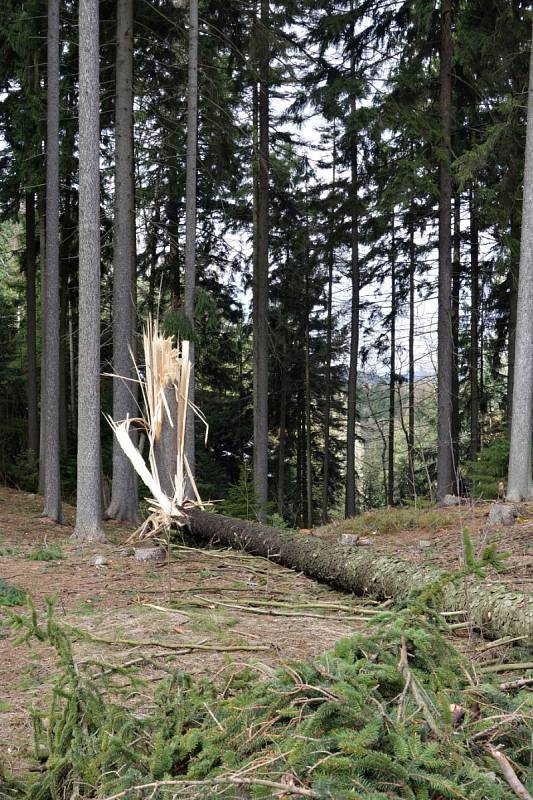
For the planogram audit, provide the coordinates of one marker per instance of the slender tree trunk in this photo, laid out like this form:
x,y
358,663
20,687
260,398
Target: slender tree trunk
x,y
350,508
456,289
123,505
52,480
300,457
513,301
282,432
520,484
411,391
42,270
72,368
190,220
31,326
392,374
260,282
329,326
445,342
89,485
308,439
63,378
474,328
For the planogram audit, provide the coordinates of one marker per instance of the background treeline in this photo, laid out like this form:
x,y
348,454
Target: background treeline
x,y
333,139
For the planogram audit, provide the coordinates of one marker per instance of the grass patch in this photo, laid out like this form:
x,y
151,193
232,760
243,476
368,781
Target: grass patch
x,y
11,595
51,553
391,520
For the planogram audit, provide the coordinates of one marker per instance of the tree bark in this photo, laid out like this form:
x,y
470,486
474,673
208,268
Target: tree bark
x,y
474,328
31,326
190,222
513,300
52,479
445,344
456,290
392,374
124,493
89,483
350,503
520,484
260,279
282,431
411,390
329,326
41,203
166,446
307,417
497,611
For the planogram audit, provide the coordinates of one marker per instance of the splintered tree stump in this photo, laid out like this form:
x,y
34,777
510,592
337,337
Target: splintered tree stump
x,y
493,608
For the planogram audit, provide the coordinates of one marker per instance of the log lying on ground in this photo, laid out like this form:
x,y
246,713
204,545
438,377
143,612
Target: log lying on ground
x,y
492,608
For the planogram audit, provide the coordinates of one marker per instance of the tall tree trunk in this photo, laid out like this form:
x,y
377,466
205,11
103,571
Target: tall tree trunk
x,y
474,327
89,485
31,326
41,204
282,431
445,343
308,439
392,374
456,289
63,377
513,301
520,484
123,505
350,505
260,279
52,480
411,391
190,221
329,325
72,368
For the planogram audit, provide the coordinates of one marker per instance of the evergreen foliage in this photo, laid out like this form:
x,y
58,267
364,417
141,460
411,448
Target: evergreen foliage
x,y
371,719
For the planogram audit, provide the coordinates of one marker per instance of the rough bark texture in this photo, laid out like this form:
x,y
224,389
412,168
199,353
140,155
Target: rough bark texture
x,y
474,329
282,431
260,279
123,505
520,484
42,269
456,292
190,220
89,475
52,482
445,345
498,611
31,326
392,375
411,404
329,326
350,504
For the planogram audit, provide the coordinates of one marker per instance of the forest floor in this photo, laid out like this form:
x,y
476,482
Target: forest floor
x,y
195,612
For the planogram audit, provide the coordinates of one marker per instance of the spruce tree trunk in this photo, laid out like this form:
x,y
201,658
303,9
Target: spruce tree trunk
x,y
392,375
411,390
350,505
307,412
445,343
520,484
456,289
282,432
513,300
124,493
329,325
190,222
166,446
41,202
89,484
31,326
260,278
474,328
52,480
497,611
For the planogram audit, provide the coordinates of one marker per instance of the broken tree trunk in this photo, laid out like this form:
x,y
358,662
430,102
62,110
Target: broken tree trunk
x,y
498,611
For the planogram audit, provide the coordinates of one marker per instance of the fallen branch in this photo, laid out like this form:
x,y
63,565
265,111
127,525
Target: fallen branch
x,y
300,791
230,648
507,667
508,773
518,684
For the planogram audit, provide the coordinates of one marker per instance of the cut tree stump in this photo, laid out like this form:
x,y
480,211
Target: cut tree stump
x,y
494,609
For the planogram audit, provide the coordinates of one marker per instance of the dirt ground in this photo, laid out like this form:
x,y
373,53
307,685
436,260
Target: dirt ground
x,y
193,613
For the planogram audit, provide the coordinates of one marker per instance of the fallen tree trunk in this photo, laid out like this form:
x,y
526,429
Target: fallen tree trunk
x,y
494,609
